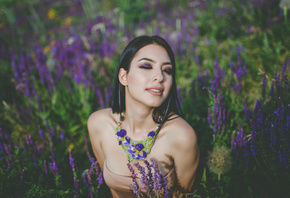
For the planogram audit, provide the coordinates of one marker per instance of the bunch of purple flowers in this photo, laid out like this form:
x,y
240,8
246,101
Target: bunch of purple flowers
x,y
152,181
269,124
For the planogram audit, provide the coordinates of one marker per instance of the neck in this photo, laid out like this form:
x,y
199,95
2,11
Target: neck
x,y
138,119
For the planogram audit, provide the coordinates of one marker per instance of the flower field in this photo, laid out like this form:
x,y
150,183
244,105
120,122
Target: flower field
x,y
58,59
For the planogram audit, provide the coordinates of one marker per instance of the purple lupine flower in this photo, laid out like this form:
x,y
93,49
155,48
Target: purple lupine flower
x,y
134,187
51,150
89,175
100,178
84,178
38,147
143,179
90,182
71,161
6,136
284,73
87,148
53,166
160,184
209,117
76,186
62,135
7,150
40,132
90,193
8,163
149,178
197,60
97,168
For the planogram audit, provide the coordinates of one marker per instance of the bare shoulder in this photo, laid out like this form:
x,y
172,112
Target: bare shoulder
x,y
181,134
98,119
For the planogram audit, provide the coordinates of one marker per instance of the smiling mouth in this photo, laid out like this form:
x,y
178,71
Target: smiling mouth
x,y
155,91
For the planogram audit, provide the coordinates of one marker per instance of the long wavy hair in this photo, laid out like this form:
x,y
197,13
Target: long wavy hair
x,y
170,106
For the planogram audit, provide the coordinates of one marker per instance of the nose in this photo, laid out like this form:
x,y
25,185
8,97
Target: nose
x,y
158,75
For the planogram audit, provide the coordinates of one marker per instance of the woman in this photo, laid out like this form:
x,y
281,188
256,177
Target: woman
x,y
144,121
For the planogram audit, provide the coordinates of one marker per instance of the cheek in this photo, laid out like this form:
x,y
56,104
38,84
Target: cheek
x,y
170,81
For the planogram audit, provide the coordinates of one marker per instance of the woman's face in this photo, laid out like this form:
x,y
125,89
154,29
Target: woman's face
x,y
149,80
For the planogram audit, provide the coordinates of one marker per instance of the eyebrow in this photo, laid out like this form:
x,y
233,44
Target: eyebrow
x,y
150,60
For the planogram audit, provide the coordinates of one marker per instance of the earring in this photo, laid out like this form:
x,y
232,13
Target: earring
x,y
122,116
160,118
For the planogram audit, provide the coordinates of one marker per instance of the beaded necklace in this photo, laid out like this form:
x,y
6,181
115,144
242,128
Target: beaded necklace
x,y
135,150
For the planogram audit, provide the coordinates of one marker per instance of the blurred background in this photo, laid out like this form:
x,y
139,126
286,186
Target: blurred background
x,y
58,59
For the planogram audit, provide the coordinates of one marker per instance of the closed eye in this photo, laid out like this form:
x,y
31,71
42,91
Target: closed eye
x,y
168,70
146,66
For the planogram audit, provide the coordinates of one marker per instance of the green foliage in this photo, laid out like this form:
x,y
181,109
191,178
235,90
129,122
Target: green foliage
x,y
239,34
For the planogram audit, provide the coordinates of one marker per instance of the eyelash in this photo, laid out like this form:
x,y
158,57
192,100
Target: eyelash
x,y
148,66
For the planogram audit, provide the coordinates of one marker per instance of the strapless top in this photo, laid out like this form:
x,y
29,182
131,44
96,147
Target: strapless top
x,y
120,185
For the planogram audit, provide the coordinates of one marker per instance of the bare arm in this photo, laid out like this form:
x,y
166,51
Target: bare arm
x,y
95,133
186,157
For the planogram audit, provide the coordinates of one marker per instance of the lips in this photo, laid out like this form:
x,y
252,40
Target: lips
x,y
156,91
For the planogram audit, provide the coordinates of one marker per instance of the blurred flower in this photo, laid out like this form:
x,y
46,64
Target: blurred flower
x,y
71,161
51,14
220,160
62,135
67,21
153,182
285,4
140,32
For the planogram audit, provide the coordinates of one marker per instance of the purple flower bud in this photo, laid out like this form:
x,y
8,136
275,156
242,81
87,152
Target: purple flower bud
x,y
209,117
40,132
8,164
100,179
76,185
134,186
84,178
62,135
71,161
